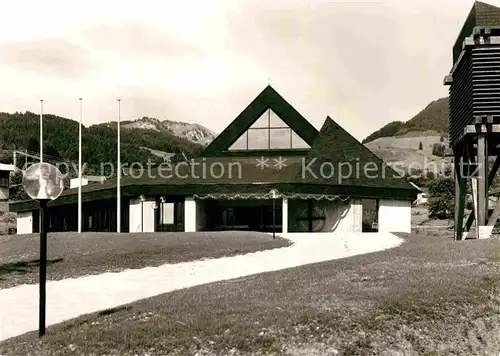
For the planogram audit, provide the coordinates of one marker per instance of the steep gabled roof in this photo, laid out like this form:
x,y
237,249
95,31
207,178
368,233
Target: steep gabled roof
x,y
481,15
353,164
267,99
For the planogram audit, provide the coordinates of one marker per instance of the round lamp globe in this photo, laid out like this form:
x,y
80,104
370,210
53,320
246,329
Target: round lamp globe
x,y
43,181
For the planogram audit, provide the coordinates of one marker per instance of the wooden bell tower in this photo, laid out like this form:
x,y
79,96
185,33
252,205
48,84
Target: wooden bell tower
x,y
474,130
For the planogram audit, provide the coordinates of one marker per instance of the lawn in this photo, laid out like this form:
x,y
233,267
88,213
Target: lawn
x,y
74,255
430,296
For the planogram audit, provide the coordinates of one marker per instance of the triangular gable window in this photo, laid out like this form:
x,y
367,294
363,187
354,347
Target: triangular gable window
x,y
262,122
275,121
269,132
298,142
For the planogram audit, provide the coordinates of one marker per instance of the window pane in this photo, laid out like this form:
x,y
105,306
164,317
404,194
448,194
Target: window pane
x,y
168,213
4,182
263,121
280,138
298,142
240,143
258,139
276,121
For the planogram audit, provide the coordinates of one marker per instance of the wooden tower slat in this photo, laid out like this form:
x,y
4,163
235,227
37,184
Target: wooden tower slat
x,y
474,87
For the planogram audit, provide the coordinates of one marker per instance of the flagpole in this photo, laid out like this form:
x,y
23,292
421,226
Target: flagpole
x,y
80,168
41,130
118,183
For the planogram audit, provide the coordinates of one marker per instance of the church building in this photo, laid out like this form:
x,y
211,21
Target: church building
x,y
269,170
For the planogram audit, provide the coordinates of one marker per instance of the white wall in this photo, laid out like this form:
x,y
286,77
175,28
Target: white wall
x,y
284,214
356,224
148,217
74,182
394,216
25,222
190,214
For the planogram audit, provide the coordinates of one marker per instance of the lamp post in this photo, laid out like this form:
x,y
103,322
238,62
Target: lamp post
x,y
43,182
274,194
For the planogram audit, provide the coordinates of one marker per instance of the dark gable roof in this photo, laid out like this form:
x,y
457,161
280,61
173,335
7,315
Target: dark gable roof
x,y
481,15
267,99
333,146
353,164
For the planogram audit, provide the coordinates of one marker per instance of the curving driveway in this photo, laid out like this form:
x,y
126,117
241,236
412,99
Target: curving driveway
x,y
69,298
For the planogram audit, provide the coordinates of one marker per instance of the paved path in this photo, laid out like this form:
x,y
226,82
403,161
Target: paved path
x,y
69,298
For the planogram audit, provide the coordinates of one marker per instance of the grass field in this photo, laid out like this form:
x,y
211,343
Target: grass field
x,y
404,151
430,296
74,255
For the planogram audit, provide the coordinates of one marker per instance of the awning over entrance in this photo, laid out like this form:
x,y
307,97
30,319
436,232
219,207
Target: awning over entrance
x,y
240,196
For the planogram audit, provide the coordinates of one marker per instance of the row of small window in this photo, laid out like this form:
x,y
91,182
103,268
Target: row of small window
x,y
269,132
269,139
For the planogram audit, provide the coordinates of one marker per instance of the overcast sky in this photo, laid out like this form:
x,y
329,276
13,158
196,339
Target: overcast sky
x,y
364,63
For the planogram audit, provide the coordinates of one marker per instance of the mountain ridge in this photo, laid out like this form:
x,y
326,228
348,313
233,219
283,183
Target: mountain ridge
x,y
193,132
434,117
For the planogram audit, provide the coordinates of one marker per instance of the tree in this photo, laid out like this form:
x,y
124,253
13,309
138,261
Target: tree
x,y
16,190
20,131
420,146
6,157
49,150
391,129
442,198
31,144
429,177
439,149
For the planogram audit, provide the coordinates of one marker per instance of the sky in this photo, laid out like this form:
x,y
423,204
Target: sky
x,y
363,63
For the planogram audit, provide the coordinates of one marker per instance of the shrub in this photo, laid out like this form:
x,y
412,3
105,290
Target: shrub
x,y
442,198
439,149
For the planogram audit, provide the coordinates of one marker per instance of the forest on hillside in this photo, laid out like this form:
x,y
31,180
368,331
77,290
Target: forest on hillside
x,y
20,131
434,117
